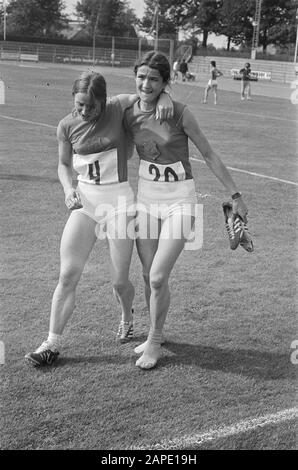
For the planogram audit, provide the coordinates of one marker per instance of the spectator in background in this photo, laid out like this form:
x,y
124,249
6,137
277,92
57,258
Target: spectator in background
x,y
183,69
245,82
176,66
212,82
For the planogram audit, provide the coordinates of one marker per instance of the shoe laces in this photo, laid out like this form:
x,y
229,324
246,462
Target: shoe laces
x,y
124,327
234,226
245,227
45,346
230,228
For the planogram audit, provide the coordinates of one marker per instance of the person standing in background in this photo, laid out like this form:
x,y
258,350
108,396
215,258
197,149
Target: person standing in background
x,y
183,69
212,82
176,67
245,82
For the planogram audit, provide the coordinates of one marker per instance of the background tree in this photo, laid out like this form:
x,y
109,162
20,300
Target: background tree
x,y
36,17
234,21
205,18
167,25
106,17
196,16
277,24
278,19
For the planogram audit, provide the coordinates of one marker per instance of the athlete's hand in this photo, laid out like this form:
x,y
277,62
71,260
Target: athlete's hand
x,y
164,107
73,200
239,207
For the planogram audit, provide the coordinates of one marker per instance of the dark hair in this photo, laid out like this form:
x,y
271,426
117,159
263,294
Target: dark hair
x,y
93,84
247,64
157,61
213,63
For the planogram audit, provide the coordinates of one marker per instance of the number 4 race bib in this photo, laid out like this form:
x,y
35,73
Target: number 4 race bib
x,y
162,173
97,168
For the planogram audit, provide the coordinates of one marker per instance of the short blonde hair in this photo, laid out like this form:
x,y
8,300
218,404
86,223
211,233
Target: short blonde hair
x,y
92,83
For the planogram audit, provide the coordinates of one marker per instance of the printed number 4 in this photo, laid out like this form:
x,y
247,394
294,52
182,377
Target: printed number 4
x,y
167,172
94,172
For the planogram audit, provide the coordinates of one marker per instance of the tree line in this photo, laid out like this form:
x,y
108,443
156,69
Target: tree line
x,y
231,18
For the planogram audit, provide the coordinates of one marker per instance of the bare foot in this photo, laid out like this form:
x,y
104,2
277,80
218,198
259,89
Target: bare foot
x,y
150,356
141,348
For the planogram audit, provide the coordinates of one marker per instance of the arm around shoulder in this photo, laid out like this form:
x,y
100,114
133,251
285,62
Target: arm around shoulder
x,y
127,99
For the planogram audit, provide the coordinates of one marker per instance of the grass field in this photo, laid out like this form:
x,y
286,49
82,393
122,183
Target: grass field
x,y
232,319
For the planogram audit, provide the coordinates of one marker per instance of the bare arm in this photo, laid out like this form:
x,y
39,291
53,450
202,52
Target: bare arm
x,y
65,165
72,198
127,99
164,106
192,130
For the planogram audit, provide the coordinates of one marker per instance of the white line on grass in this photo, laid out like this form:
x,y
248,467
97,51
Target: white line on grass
x,y
33,66
263,116
27,122
192,158
246,425
259,175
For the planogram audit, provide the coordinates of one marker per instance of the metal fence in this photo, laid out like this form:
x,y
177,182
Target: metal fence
x,y
282,72
121,52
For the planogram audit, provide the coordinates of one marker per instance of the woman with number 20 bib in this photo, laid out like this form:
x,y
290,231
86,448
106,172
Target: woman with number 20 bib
x,y
166,197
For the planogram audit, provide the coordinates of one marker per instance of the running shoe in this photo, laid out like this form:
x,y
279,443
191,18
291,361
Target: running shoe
x,y
234,225
125,332
45,355
246,239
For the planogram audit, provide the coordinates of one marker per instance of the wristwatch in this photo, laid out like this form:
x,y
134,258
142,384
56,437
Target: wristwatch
x,y
236,195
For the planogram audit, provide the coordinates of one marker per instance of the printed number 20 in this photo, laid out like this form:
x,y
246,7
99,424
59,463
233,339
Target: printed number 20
x,y
167,172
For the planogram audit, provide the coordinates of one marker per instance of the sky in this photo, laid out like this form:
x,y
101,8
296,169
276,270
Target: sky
x,y
137,5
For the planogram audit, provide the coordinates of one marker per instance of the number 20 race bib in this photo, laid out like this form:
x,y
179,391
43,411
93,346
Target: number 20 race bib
x,y
162,173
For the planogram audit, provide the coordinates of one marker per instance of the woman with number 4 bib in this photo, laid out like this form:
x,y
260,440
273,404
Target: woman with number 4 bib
x,y
166,197
92,140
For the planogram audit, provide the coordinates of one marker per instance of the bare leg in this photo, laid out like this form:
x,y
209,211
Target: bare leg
x,y
206,93
169,248
147,248
151,227
77,241
215,94
243,86
120,255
